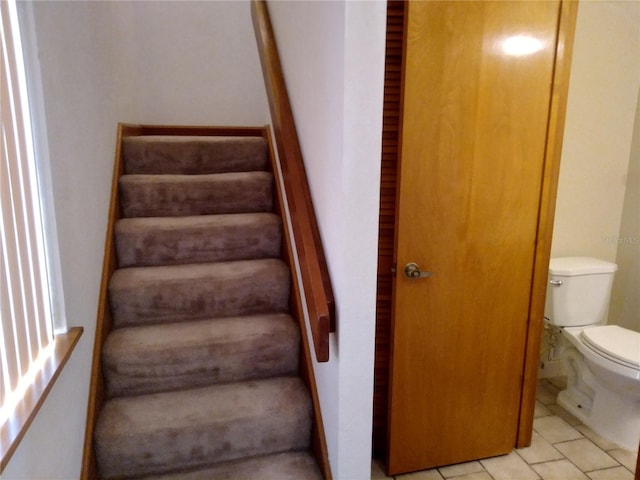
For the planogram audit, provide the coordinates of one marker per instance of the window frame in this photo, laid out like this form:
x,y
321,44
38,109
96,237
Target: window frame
x,y
41,375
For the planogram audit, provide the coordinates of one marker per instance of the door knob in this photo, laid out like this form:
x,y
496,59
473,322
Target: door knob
x,y
412,271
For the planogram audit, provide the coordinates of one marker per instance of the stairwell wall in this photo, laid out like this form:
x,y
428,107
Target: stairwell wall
x,y
100,63
332,54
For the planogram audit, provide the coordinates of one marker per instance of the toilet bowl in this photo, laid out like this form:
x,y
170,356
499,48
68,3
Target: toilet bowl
x,y
602,362
603,381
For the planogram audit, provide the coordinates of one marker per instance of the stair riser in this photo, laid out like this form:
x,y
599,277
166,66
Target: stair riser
x,y
283,466
121,385
214,290
172,196
193,155
157,244
141,361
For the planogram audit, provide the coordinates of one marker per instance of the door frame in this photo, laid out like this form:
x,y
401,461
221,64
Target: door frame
x,y
389,193
546,215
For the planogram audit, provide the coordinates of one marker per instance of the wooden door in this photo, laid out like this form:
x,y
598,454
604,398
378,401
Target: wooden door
x,y
474,130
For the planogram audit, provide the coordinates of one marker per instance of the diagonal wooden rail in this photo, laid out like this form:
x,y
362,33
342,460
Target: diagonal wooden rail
x,y
313,266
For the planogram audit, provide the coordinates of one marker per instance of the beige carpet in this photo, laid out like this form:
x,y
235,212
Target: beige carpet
x,y
201,368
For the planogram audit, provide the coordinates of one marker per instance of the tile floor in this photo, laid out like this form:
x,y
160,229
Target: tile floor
x,y
562,449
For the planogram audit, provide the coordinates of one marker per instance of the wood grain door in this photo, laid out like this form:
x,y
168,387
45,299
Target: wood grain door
x,y
477,89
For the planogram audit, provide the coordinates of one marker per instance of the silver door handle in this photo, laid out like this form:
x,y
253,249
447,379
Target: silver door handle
x,y
412,271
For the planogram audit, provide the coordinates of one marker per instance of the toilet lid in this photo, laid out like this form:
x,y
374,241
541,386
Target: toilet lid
x,y
621,344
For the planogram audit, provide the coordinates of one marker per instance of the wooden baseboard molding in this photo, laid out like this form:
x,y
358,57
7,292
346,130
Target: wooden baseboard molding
x,y
318,441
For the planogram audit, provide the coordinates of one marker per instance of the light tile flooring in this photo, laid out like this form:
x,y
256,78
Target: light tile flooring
x,y
562,449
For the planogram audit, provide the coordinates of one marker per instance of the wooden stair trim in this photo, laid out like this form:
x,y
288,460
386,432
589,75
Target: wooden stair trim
x,y
96,400
318,438
104,324
195,130
316,282
637,474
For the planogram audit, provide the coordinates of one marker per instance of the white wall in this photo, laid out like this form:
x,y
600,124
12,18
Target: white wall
x,y
104,63
625,298
605,75
597,170
333,58
193,63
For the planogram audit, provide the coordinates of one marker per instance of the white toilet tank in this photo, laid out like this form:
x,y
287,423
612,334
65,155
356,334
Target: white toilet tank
x,y
579,290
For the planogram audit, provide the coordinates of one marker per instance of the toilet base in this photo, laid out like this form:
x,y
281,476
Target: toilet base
x,y
612,417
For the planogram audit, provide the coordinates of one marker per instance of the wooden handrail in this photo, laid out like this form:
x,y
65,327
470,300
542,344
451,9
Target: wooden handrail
x,y
313,266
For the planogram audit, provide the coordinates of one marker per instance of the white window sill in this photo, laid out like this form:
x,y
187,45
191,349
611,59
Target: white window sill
x,y
14,429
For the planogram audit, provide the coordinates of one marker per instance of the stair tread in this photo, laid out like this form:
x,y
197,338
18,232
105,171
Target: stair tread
x,y
146,195
169,223
192,179
163,294
125,278
280,466
135,435
200,238
193,154
153,358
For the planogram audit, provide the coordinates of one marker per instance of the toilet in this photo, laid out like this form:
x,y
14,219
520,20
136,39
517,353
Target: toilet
x,y
602,362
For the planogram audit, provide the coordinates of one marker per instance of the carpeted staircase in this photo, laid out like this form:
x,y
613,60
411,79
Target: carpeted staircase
x,y
201,367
